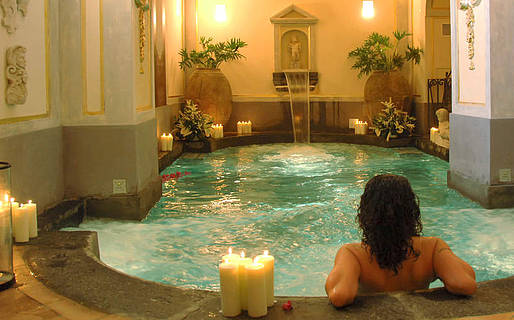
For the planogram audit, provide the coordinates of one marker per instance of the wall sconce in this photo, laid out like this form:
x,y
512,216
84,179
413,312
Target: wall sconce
x,y
221,13
368,11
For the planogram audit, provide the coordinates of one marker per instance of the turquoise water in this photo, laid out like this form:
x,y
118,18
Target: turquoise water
x,y
299,201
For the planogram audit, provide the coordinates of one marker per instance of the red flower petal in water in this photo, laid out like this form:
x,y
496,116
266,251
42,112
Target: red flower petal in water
x,y
287,306
172,176
187,173
178,174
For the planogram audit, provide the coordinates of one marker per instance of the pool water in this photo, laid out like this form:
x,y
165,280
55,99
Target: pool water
x,y
299,201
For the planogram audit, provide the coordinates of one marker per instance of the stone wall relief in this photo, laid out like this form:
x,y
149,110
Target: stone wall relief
x,y
142,7
16,75
468,6
11,9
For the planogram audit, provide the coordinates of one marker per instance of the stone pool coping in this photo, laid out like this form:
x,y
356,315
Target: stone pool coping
x,y
69,264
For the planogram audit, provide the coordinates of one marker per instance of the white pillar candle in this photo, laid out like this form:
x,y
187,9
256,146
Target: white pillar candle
x,y
433,133
21,224
256,281
351,123
32,212
221,131
163,142
229,286
269,269
170,142
243,282
239,128
361,128
250,127
231,256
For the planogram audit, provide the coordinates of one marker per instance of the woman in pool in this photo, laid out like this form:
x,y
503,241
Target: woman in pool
x,y
393,256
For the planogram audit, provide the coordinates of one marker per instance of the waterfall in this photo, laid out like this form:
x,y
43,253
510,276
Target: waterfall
x,y
298,85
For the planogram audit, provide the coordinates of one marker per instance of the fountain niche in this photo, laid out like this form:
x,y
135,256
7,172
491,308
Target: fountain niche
x,y
294,65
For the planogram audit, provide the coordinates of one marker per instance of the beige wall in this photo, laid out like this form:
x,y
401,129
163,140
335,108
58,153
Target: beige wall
x,y
340,29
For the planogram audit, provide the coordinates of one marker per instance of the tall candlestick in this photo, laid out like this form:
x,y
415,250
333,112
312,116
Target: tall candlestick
x,y
256,280
229,285
269,270
32,213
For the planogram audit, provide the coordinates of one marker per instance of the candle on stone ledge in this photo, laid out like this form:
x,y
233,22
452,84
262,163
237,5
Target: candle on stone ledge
x,y
361,127
243,282
229,286
239,128
32,212
230,256
256,282
269,270
351,123
21,221
433,133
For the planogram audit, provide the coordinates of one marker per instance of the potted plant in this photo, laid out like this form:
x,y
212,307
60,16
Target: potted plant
x,y
192,124
392,122
381,57
207,85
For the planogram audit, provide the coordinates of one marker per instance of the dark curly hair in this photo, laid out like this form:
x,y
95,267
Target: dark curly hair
x,y
389,217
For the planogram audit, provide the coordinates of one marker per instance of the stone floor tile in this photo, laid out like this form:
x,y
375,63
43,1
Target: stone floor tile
x,y
75,311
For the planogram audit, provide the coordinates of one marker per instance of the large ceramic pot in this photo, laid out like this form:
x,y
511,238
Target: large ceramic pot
x,y
384,85
210,89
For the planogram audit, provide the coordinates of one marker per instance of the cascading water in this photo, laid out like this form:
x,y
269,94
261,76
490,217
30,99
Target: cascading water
x,y
298,85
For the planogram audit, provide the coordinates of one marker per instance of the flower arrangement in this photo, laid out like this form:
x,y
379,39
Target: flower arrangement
x,y
392,122
379,53
192,124
213,54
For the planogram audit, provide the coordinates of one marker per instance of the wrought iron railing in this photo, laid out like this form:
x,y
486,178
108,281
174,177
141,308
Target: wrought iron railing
x,y
439,96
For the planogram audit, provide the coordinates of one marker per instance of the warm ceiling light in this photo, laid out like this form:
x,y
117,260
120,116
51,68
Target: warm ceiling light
x,y
368,11
221,13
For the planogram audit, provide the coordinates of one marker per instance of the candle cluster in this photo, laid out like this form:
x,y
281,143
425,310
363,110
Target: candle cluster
x,y
166,142
352,122
24,218
433,134
244,127
247,284
217,131
361,127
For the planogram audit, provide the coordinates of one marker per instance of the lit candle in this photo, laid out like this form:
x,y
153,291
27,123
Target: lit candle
x,y
269,268
21,223
249,127
32,212
229,286
239,128
256,281
361,127
221,131
164,143
351,123
170,142
230,256
433,133
243,283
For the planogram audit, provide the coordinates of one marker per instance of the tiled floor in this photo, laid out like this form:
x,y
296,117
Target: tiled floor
x,y
29,299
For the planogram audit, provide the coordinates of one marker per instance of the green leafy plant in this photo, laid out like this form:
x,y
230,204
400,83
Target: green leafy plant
x,y
212,54
379,53
142,4
192,124
393,122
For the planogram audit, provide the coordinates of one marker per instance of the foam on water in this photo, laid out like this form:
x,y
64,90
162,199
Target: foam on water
x,y
298,201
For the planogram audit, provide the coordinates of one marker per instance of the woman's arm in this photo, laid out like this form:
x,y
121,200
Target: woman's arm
x,y
343,281
458,276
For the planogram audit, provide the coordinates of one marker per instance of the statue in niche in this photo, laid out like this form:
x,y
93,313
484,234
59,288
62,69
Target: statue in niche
x,y
442,135
16,75
10,9
295,50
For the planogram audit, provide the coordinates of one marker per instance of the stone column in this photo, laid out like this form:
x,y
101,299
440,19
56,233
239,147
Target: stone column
x,y
482,122
110,146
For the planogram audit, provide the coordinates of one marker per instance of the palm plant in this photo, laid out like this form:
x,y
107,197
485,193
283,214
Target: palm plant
x,y
212,54
379,53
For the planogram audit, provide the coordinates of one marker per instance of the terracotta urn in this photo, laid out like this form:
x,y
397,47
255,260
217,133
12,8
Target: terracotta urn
x,y
210,89
381,86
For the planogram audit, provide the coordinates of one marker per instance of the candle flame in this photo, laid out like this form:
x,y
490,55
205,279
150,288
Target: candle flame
x,y
256,260
266,252
30,201
230,250
242,254
12,199
225,260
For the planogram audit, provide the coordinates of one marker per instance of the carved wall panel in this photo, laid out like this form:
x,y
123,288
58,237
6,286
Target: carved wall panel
x,y
11,9
16,75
